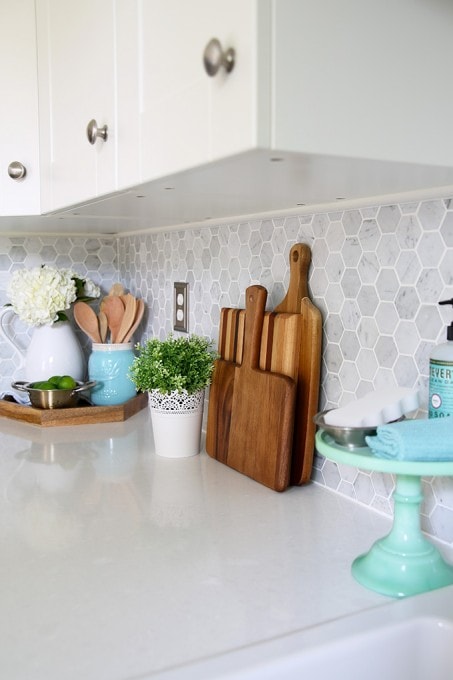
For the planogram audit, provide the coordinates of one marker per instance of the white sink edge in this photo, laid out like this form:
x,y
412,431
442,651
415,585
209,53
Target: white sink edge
x,y
434,608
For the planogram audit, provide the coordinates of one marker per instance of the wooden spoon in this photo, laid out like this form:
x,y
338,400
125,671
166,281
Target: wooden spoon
x,y
103,326
113,308
130,305
116,289
87,320
138,318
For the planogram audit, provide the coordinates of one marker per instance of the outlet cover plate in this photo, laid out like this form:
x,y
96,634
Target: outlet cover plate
x,y
181,307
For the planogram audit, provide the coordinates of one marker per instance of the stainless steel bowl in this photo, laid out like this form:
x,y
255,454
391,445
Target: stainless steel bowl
x,y
53,398
350,437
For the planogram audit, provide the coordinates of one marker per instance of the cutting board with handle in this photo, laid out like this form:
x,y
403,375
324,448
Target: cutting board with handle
x,y
279,353
262,408
291,345
280,339
309,368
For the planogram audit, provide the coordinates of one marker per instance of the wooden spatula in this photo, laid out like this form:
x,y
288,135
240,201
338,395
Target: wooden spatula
x,y
130,307
140,309
103,326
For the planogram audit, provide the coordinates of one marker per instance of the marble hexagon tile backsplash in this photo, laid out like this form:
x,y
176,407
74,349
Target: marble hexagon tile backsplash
x,y
377,275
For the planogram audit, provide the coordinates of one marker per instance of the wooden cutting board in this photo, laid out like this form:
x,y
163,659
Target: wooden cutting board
x,y
262,409
279,350
219,410
304,366
221,390
309,369
279,353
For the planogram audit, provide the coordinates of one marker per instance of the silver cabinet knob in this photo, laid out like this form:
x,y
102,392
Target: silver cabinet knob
x,y
16,170
93,132
214,58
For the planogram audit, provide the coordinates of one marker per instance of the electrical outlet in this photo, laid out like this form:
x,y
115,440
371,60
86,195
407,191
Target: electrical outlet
x,y
181,307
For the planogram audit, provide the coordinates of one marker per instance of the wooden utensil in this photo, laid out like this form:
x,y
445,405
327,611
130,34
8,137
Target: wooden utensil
x,y
309,370
87,320
113,308
262,414
138,317
130,307
117,289
103,325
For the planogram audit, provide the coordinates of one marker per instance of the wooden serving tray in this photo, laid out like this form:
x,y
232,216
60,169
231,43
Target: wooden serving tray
x,y
84,414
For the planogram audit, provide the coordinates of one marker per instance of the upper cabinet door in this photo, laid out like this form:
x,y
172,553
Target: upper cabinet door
x,y
364,79
187,116
19,110
76,51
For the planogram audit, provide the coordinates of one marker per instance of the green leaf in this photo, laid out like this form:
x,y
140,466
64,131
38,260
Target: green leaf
x,y
182,363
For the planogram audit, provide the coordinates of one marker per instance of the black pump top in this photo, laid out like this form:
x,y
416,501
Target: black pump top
x,y
450,327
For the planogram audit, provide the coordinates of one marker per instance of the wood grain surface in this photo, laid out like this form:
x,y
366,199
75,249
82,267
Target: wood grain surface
x,y
79,415
279,353
291,344
262,413
309,368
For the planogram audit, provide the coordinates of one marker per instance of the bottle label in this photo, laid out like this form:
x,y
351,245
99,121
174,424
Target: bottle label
x,y
440,388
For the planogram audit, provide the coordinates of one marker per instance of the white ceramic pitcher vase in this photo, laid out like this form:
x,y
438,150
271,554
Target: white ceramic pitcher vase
x,y
53,350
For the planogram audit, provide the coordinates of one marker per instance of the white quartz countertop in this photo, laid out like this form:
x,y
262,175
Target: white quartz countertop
x,y
117,564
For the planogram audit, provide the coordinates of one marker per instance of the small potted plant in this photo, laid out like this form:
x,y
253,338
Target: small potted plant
x,y
175,373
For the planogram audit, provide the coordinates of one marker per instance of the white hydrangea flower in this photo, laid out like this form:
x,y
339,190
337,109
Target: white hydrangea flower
x,y
91,289
39,296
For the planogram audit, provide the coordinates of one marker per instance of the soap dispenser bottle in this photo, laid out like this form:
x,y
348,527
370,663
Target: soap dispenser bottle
x,y
441,376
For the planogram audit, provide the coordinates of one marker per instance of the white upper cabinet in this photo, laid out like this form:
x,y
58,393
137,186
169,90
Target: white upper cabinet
x,y
364,79
359,79
19,134
76,85
188,117
80,80
351,97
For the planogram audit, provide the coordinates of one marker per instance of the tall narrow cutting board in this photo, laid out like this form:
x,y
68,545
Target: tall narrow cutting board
x,y
262,412
309,370
221,390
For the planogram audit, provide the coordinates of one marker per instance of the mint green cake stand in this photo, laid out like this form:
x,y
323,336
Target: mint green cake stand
x,y
404,562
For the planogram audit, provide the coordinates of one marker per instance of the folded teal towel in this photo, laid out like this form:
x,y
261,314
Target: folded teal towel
x,y
414,440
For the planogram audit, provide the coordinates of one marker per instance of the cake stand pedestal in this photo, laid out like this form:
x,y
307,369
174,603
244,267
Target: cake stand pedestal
x,y
404,562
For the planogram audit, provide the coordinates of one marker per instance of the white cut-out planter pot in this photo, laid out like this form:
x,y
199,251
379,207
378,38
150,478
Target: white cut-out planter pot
x,y
177,420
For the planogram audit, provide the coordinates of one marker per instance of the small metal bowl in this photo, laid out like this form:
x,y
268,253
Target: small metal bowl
x,y
52,398
350,437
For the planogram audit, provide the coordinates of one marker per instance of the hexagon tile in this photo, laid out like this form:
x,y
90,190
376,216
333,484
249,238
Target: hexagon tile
x,y
377,275
95,258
